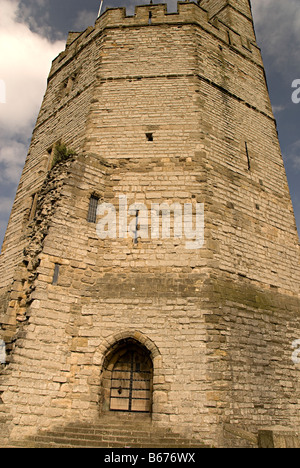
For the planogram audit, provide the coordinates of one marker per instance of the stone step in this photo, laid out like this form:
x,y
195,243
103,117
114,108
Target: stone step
x,y
117,441
112,435
98,431
111,432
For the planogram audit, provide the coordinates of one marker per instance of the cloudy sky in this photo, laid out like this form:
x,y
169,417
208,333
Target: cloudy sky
x,y
33,32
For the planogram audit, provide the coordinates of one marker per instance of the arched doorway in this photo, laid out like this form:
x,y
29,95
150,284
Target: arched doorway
x,y
128,378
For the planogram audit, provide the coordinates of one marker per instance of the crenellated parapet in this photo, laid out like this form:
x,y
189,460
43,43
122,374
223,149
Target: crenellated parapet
x,y
145,16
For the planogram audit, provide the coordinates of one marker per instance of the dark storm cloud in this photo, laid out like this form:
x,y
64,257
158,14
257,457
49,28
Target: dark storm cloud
x,y
53,19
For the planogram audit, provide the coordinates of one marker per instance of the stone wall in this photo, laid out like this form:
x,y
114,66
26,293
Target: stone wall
x,y
219,321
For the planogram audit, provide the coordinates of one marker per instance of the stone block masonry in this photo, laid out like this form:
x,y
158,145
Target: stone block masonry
x,y
160,108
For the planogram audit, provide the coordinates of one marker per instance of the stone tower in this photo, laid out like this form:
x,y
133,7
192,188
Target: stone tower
x,y
160,110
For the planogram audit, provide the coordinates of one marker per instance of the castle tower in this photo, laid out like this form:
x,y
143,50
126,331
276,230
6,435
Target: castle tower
x,y
137,309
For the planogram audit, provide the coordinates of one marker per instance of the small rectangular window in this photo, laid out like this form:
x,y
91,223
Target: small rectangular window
x,y
248,156
50,153
229,38
32,212
135,240
55,274
92,213
149,136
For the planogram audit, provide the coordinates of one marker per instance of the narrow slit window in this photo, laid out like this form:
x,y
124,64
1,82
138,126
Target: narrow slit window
x,y
56,274
229,38
150,18
50,157
135,240
32,212
92,213
248,156
68,85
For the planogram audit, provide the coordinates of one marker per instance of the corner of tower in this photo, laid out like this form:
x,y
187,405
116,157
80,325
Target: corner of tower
x,y
236,14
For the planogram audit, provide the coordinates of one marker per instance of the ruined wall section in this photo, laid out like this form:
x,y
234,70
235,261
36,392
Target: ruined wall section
x,y
69,89
25,275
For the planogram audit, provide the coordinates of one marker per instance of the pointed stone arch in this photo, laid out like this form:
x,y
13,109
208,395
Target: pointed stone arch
x,y
124,351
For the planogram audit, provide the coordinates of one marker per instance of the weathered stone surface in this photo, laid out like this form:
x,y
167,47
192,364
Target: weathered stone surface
x,y
218,323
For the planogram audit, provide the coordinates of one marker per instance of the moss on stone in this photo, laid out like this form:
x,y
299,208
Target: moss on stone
x,y
61,153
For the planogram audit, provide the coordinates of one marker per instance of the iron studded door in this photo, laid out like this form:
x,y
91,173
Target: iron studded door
x,y
131,383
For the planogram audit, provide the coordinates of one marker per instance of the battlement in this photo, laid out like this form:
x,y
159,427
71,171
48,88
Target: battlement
x,y
159,14
188,13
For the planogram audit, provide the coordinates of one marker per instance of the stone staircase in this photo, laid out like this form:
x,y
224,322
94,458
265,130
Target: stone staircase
x,y
111,431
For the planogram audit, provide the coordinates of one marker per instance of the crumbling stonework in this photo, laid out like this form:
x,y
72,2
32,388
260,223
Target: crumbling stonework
x,y
159,108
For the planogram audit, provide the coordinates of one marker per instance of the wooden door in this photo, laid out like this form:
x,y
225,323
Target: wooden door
x,y
131,383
